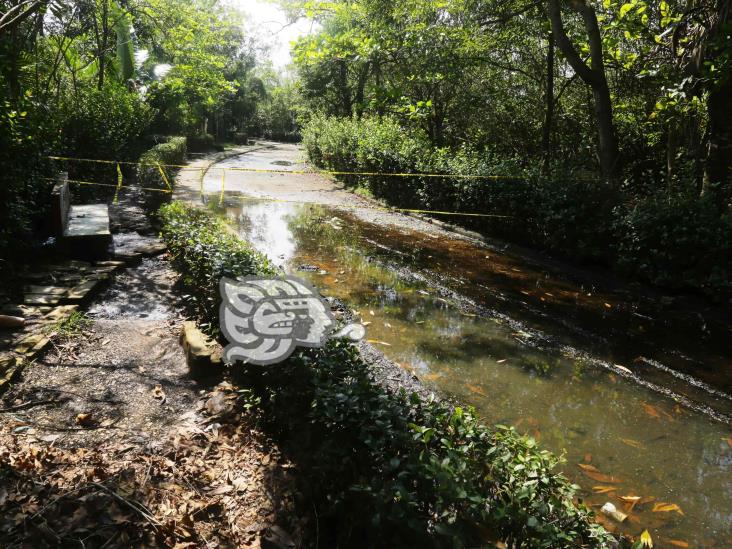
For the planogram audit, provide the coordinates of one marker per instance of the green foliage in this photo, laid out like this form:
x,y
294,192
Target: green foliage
x,y
157,166
102,123
71,326
204,250
677,242
674,242
125,46
204,142
25,138
382,468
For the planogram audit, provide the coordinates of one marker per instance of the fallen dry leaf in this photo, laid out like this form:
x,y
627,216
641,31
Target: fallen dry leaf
x,y
678,543
595,474
84,420
223,489
651,411
667,508
604,489
633,443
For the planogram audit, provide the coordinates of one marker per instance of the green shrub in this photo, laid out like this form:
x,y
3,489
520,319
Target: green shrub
x,y
100,124
680,243
164,156
26,137
677,242
382,468
203,142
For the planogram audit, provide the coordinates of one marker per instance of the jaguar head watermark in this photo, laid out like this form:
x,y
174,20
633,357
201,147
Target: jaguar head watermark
x,y
264,319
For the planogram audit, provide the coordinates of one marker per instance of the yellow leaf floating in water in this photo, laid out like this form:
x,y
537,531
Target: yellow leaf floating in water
x,y
475,389
633,443
604,489
630,499
667,508
651,411
646,540
377,342
595,474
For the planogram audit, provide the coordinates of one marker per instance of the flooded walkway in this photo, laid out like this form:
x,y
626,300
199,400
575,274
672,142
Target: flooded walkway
x,y
631,385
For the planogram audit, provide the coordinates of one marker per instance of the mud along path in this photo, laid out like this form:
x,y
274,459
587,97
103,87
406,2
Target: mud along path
x,y
106,441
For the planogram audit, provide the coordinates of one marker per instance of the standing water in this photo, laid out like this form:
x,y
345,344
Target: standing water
x,y
658,447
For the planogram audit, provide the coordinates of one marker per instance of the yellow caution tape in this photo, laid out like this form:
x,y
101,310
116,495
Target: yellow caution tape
x,y
165,177
119,185
98,161
297,172
116,186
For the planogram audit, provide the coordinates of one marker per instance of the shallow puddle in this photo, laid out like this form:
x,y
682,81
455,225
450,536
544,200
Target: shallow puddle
x,y
495,337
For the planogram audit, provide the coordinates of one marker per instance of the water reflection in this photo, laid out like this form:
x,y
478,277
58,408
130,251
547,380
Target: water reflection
x,y
631,441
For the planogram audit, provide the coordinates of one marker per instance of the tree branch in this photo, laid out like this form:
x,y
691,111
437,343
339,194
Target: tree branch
x,y
570,53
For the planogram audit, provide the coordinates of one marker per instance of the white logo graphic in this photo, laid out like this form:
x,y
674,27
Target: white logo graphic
x,y
264,319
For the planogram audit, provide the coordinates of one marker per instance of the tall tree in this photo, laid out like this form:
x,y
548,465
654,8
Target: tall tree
x,y
594,76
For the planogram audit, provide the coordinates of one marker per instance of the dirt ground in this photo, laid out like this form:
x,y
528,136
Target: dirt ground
x,y
106,441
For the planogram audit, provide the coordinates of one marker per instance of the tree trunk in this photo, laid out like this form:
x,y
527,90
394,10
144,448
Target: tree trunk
x,y
594,76
360,88
546,141
672,147
101,36
345,93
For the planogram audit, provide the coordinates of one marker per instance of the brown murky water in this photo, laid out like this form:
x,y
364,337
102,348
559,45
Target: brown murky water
x,y
602,379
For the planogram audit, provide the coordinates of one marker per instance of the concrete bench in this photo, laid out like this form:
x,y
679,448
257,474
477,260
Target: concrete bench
x,y
84,229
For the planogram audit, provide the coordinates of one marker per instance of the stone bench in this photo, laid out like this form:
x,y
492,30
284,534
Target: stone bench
x,y
84,229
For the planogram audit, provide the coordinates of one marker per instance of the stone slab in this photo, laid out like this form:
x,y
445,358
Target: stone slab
x,y
47,290
82,291
203,355
129,258
59,313
42,299
152,249
88,220
32,345
9,367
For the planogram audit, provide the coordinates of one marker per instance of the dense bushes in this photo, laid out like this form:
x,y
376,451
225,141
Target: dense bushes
x,y
103,123
675,242
385,469
203,142
25,140
162,157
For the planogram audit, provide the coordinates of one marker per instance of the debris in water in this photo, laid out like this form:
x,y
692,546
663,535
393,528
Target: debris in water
x,y
610,510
